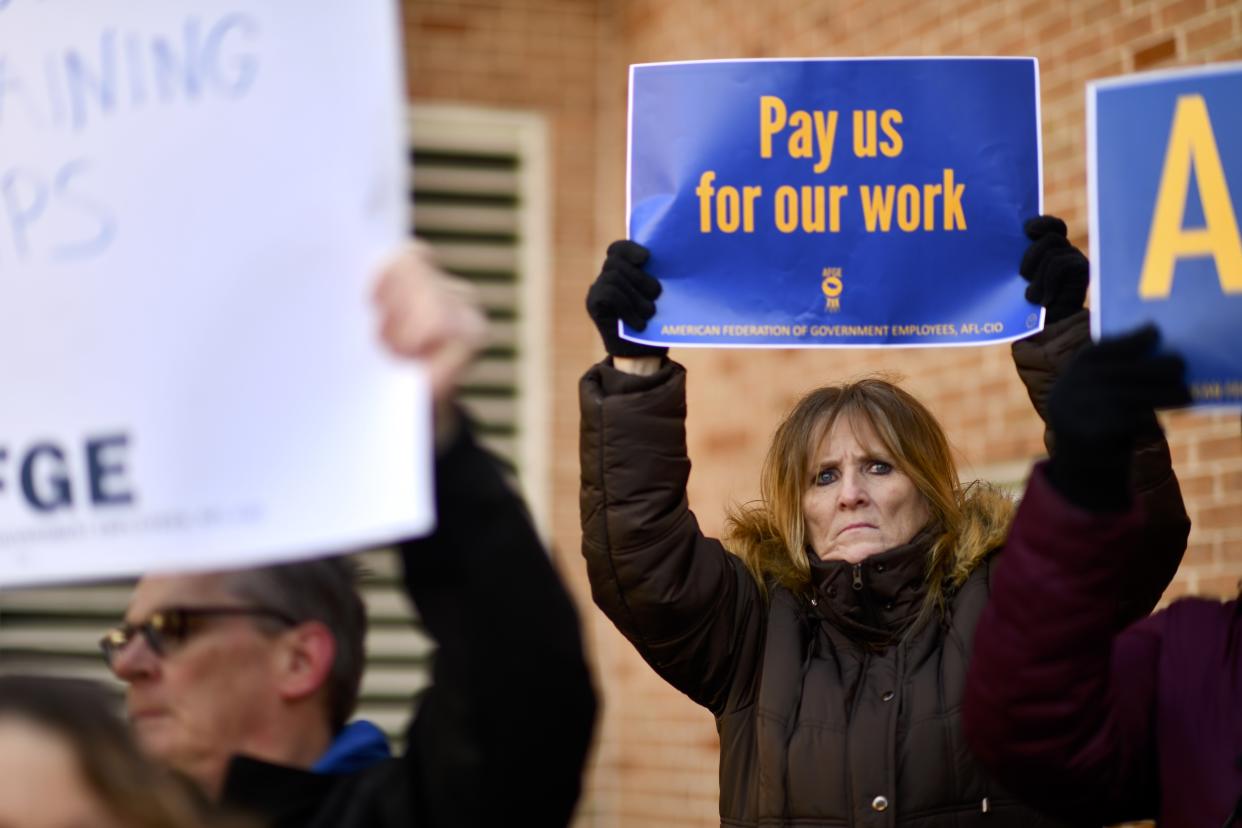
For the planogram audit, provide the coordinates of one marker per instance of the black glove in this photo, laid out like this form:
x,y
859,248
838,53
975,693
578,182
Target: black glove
x,y
1057,271
623,290
1103,404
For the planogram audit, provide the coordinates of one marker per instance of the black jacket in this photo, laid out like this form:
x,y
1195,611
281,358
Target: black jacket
x,y
501,735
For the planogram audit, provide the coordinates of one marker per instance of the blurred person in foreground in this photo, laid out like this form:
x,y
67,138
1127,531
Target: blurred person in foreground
x,y
68,761
829,633
1070,701
245,680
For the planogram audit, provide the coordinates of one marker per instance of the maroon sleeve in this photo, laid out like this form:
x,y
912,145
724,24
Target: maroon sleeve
x,y
1041,359
1060,695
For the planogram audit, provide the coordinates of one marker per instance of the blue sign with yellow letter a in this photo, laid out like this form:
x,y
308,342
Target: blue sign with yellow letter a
x,y
842,202
1166,186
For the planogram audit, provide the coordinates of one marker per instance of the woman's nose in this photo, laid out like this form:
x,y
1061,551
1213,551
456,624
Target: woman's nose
x,y
853,491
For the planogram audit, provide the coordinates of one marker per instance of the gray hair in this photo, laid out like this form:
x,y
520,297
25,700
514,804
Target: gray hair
x,y
324,590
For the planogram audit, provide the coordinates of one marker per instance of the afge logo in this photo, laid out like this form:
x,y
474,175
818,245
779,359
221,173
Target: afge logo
x,y
832,287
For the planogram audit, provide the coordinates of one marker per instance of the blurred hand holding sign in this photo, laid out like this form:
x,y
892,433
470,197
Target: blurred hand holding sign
x,y
1165,159
846,202
194,202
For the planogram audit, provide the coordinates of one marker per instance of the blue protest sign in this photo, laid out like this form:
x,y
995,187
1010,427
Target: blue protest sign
x,y
1165,170
842,202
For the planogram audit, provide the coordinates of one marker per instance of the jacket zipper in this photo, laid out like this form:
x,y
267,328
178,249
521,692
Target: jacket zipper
x,y
864,598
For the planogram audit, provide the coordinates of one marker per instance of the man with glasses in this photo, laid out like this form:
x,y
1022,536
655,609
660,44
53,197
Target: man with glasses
x,y
244,680
208,641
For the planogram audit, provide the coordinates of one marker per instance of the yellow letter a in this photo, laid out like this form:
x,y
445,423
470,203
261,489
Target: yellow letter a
x,y
1191,141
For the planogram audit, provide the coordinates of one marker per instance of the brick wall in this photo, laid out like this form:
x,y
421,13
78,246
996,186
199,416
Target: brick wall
x,y
655,760
540,56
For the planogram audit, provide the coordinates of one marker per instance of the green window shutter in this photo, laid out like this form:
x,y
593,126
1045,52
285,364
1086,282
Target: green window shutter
x,y
479,184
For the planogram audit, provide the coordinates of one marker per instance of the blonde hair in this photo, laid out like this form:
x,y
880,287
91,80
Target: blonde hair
x,y
966,521
130,788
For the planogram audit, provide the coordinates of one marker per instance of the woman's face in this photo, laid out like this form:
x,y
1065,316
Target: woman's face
x,y
858,503
40,783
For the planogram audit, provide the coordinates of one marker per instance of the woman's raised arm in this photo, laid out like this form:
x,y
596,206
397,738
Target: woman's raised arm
x,y
691,609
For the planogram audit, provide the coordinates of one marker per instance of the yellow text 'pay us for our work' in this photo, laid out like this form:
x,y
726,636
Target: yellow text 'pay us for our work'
x,y
817,208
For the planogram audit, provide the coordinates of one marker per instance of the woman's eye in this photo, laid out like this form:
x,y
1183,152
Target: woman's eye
x,y
879,467
825,476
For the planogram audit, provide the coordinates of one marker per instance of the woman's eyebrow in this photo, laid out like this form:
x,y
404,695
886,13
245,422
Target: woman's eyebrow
x,y
825,462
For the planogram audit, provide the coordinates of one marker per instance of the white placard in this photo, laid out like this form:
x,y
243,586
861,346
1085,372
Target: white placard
x,y
195,197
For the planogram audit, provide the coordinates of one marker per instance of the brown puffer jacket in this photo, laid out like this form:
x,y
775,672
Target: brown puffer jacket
x,y
839,708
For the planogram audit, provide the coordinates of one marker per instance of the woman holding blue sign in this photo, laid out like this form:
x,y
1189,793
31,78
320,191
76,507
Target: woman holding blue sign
x,y
831,630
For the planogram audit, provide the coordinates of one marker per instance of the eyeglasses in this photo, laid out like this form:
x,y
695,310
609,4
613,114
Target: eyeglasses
x,y
170,627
